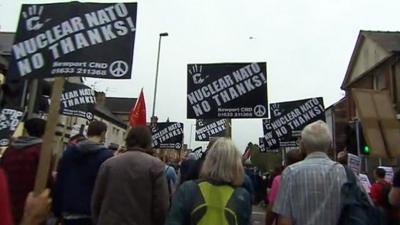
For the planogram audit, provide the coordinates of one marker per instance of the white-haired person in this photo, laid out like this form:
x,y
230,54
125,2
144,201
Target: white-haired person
x,y
309,191
216,198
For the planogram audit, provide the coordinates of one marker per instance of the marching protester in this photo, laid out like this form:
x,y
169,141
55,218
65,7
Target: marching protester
x,y
342,157
217,197
292,157
195,167
20,163
377,188
76,176
131,187
171,179
310,190
186,164
379,193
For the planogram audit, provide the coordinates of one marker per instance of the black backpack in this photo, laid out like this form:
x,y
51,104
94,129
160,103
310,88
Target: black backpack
x,y
356,208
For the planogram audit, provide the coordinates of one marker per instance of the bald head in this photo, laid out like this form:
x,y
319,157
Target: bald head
x,y
316,137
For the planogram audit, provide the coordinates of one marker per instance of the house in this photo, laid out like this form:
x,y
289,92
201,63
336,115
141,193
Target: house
x,y
120,107
374,64
116,127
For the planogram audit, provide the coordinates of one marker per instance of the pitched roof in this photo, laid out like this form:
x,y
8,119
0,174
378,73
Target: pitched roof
x,y
120,105
388,40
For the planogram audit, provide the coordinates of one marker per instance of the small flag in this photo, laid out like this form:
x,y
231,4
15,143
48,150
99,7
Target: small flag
x,y
246,154
137,115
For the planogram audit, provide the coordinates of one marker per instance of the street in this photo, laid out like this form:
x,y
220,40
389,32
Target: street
x,y
258,215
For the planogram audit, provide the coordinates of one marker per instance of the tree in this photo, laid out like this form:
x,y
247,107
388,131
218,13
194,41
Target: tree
x,y
265,161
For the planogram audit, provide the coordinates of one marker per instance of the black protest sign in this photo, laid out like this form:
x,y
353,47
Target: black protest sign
x,y
227,90
9,120
198,152
167,135
77,100
74,39
289,118
209,128
270,141
264,147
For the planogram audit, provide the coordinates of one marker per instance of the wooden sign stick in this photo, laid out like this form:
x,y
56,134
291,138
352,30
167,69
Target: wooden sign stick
x,y
46,151
228,128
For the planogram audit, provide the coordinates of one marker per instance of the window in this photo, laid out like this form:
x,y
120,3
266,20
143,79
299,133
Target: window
x,y
380,81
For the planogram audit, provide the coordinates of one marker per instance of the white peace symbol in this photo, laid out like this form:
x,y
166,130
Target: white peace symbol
x,y
89,115
4,142
177,146
259,110
118,68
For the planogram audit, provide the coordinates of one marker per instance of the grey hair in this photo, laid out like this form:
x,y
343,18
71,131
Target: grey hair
x,y
316,137
223,163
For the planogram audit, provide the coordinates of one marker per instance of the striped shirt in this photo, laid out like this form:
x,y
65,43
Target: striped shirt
x,y
309,193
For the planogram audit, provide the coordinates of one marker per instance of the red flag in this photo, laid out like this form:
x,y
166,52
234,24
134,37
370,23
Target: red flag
x,y
246,154
137,116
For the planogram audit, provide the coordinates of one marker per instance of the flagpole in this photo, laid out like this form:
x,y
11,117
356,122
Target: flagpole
x,y
158,63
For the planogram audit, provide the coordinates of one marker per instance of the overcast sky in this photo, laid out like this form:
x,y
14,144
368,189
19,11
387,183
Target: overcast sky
x,y
307,45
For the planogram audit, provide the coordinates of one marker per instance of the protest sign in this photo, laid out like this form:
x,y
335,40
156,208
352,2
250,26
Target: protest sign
x,y
354,162
389,173
209,128
269,141
289,118
77,100
261,143
198,152
365,182
74,39
227,90
9,120
167,135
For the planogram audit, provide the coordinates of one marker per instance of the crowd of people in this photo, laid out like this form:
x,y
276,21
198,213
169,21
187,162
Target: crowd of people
x,y
94,185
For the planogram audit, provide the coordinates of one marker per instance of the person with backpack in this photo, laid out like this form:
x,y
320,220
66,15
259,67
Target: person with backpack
x,y
310,190
216,198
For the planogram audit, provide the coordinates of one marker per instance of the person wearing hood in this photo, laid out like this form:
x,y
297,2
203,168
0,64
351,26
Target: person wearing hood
x,y
20,162
76,176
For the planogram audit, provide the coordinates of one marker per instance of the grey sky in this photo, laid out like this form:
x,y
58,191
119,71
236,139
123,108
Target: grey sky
x,y
307,45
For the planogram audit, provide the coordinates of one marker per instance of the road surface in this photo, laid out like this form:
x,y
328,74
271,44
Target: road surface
x,y
258,215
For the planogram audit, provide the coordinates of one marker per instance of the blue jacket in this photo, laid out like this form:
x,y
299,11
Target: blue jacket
x,y
76,176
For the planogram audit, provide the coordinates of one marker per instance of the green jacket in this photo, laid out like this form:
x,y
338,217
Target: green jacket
x,y
187,198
